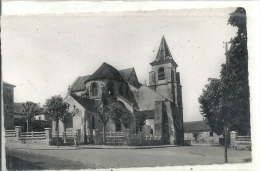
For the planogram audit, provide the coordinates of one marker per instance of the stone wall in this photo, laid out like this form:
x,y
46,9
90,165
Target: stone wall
x,y
204,137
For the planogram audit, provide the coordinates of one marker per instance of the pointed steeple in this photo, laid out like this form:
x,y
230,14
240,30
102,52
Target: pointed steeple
x,y
163,53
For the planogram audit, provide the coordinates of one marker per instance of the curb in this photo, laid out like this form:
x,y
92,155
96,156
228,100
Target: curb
x,y
95,147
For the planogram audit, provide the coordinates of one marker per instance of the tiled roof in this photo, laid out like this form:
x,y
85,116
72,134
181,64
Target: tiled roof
x,y
106,71
126,73
79,83
196,126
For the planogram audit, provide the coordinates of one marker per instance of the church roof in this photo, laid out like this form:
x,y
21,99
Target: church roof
x,y
79,83
164,53
126,73
106,71
88,104
196,126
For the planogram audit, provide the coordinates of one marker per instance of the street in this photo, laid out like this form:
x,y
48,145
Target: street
x,y
120,158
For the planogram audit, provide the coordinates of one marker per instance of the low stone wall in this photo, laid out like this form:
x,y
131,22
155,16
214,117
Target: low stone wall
x,y
34,141
136,142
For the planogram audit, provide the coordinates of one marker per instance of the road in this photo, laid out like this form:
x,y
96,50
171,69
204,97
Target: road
x,y
121,158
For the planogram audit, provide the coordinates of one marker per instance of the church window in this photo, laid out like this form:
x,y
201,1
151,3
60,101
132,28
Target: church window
x,y
211,134
161,74
94,89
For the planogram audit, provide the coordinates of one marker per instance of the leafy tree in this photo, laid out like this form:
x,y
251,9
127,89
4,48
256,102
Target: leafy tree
x,y
211,105
57,110
30,109
116,113
103,115
140,118
234,75
225,101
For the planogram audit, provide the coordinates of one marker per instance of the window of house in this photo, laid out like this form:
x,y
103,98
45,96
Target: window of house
x,y
94,89
211,134
161,74
39,117
151,131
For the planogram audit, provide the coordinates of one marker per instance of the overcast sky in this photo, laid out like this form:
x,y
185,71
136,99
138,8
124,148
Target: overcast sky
x,y
43,55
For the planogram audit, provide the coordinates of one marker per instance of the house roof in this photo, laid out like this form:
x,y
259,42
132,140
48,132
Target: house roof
x,y
5,83
79,83
18,107
195,126
106,71
164,53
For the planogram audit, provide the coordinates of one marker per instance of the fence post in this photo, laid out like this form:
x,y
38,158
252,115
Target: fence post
x,y
233,137
48,135
95,136
77,132
32,133
18,130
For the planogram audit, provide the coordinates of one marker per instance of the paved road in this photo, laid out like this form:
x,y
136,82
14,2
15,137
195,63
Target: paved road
x,y
120,158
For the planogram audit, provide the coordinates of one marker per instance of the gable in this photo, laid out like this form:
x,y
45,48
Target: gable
x,y
79,83
129,76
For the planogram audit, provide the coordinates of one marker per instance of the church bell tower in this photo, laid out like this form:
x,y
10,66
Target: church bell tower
x,y
164,78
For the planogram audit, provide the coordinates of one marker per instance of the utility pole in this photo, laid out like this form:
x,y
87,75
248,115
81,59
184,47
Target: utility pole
x,y
225,115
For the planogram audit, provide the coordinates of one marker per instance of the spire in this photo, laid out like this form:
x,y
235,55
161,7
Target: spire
x,y
163,53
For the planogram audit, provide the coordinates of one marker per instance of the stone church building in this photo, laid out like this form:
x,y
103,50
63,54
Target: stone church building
x,y
161,100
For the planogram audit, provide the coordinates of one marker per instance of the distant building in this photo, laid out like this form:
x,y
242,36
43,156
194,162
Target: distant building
x,y
8,104
202,131
161,101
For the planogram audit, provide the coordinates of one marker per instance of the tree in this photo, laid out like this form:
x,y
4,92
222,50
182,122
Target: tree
x,y
225,101
234,75
103,115
211,105
57,110
140,118
30,110
116,113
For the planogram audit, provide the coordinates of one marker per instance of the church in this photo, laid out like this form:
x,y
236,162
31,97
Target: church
x,y
160,101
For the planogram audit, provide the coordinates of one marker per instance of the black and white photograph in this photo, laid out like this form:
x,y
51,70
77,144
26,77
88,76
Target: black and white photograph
x,y
144,89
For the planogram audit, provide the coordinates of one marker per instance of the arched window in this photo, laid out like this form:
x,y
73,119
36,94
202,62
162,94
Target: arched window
x,y
161,74
94,89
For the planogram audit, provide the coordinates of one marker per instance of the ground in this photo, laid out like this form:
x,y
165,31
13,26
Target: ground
x,y
76,158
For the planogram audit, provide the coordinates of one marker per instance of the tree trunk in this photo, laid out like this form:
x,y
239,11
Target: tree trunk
x,y
104,135
64,132
57,129
64,126
140,136
115,137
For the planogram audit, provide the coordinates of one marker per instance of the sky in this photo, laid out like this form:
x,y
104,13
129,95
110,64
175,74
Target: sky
x,y
43,55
